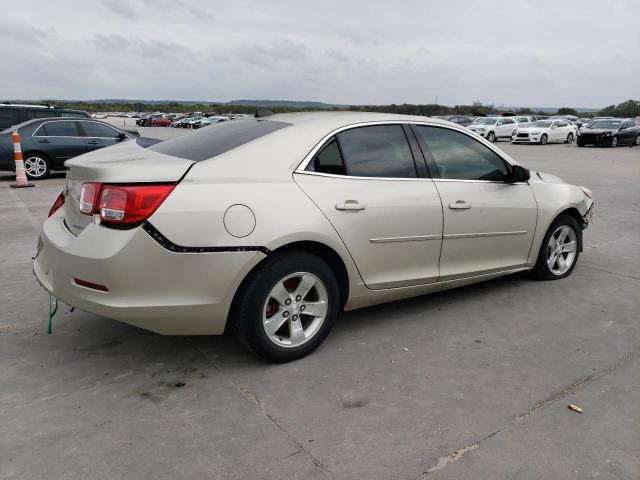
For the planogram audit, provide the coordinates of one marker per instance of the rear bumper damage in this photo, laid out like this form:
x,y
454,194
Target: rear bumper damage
x,y
148,285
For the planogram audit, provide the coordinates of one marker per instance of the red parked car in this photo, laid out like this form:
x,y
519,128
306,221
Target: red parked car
x,y
161,122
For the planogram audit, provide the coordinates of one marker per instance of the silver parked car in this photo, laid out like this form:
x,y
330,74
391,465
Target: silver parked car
x,y
273,225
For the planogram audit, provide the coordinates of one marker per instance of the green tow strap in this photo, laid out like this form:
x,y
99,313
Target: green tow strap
x,y
53,308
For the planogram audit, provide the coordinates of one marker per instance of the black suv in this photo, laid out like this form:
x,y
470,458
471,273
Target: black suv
x,y
13,114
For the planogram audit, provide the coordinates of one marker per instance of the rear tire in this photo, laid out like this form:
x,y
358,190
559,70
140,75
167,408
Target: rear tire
x,y
269,311
559,251
36,166
579,143
636,142
543,139
569,138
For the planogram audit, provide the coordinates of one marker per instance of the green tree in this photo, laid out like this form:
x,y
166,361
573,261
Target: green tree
x,y
567,111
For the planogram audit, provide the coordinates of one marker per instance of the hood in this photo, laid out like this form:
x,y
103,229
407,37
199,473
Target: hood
x,y
532,129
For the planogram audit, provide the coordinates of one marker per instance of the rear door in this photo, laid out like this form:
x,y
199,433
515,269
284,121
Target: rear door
x,y
98,135
489,223
60,140
380,201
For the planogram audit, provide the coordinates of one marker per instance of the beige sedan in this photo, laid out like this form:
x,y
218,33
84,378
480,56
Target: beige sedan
x,y
273,225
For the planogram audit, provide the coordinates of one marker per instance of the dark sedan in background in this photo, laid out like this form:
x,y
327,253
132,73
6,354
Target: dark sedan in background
x,y
47,143
609,132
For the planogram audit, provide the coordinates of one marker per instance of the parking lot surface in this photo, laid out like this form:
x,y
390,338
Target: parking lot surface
x,y
467,384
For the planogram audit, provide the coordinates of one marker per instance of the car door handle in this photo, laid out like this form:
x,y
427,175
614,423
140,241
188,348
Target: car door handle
x,y
92,142
350,205
460,205
44,141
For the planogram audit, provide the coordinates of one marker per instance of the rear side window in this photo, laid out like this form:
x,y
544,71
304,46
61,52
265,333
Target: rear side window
x,y
328,160
460,157
377,151
58,129
217,139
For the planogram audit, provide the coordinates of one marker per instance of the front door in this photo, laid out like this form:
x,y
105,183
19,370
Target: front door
x,y
98,135
489,223
365,181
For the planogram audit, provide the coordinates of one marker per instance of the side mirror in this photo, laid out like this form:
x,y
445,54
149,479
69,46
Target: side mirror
x,y
122,136
519,174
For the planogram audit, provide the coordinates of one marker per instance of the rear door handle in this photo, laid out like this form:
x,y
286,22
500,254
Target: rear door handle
x,y
350,205
92,142
44,141
460,205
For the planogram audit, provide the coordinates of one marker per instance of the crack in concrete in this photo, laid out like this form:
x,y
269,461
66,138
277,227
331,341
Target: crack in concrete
x,y
253,398
620,274
459,453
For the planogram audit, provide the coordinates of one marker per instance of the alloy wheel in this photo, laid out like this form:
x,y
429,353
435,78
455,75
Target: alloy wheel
x,y
561,250
614,142
570,138
295,309
35,167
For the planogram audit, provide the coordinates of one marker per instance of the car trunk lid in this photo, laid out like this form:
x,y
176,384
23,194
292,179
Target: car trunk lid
x,y
126,163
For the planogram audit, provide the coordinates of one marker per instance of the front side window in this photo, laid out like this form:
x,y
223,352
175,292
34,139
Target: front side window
x,y
98,130
58,129
459,157
377,151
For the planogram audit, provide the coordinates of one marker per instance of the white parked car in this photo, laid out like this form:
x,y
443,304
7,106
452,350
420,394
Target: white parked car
x,y
545,131
271,226
99,116
494,128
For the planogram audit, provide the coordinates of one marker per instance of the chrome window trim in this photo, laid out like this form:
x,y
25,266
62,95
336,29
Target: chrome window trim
x,y
351,177
305,161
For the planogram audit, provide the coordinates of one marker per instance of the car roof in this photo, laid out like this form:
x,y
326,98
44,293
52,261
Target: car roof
x,y
327,121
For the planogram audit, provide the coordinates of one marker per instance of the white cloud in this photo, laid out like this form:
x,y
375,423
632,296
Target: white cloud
x,y
516,52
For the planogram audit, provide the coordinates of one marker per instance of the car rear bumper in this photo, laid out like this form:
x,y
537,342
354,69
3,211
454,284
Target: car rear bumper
x,y
148,286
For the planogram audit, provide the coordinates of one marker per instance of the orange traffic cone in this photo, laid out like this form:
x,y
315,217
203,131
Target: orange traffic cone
x,y
21,176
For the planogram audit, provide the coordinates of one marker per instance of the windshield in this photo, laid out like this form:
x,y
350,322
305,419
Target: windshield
x,y
541,124
485,121
604,124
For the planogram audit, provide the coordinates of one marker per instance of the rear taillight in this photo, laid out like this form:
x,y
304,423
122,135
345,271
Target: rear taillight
x,y
88,197
57,204
125,205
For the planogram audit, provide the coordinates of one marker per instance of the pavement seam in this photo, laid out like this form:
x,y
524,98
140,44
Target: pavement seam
x,y
456,455
253,398
620,274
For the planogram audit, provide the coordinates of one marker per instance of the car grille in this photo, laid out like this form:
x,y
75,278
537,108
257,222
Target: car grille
x,y
589,136
522,135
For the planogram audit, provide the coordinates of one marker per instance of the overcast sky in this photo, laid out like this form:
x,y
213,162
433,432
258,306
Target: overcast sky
x,y
583,53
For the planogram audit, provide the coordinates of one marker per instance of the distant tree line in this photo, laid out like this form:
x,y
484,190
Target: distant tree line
x,y
630,108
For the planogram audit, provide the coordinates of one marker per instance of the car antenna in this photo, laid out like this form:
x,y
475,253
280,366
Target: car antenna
x,y
262,112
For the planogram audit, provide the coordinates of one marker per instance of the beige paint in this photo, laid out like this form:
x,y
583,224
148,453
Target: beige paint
x,y
399,246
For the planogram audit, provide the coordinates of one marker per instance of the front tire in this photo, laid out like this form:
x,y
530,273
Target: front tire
x,y
614,142
559,250
36,166
636,142
287,306
543,139
569,138
491,137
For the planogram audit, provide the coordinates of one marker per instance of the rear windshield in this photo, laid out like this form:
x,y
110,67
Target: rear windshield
x,y
217,139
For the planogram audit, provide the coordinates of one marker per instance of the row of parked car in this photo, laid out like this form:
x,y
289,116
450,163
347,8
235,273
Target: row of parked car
x,y
607,131
189,120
